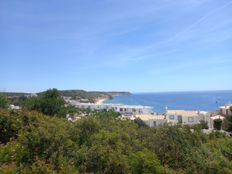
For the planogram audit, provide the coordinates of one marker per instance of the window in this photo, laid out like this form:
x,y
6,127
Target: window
x,y
171,117
190,119
154,123
179,118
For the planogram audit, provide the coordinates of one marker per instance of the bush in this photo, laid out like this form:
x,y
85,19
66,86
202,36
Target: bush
x,y
102,144
49,103
3,102
140,122
227,124
7,129
217,124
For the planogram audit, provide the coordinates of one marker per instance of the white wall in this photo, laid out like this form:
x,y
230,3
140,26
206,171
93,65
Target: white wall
x,y
189,120
158,122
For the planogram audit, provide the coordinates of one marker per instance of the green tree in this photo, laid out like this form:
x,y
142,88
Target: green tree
x,y
217,124
3,102
140,122
202,125
7,130
33,104
106,114
49,103
227,124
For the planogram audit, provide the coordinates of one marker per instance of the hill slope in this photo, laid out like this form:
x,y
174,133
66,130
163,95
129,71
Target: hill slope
x,y
90,96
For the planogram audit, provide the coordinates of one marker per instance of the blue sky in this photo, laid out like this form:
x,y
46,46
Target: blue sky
x,y
127,45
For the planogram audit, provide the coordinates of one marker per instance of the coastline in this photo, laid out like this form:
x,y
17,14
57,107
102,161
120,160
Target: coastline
x,y
101,100
204,101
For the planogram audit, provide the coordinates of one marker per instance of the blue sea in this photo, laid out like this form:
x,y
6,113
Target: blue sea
x,y
204,100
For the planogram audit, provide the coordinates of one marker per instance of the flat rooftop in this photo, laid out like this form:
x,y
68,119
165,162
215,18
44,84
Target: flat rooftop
x,y
147,117
114,105
183,112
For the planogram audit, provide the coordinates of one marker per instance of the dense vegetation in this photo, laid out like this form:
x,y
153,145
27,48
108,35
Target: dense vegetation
x,y
3,102
227,123
49,103
40,140
35,143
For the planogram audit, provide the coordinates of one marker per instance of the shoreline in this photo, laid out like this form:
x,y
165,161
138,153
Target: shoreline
x,y
101,100
198,101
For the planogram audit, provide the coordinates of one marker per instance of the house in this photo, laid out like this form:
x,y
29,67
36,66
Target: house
x,y
31,95
130,109
13,107
186,116
123,109
226,110
151,119
211,122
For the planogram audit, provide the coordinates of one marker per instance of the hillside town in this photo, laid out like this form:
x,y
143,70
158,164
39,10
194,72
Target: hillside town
x,y
151,118
146,113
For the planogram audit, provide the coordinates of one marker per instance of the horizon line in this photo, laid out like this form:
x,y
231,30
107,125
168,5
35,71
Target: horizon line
x,y
136,92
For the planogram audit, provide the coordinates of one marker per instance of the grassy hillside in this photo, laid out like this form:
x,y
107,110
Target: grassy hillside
x,y
31,142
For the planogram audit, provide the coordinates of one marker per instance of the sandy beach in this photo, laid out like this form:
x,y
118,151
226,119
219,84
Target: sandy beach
x,y
101,100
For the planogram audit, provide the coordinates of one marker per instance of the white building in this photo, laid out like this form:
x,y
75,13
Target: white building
x,y
14,107
177,116
130,109
146,114
31,95
152,120
187,117
123,109
211,122
226,110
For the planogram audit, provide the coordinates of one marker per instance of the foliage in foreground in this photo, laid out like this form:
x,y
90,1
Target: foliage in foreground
x,y
3,102
49,103
31,142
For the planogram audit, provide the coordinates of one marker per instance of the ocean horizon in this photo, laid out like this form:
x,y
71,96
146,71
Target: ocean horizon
x,y
187,100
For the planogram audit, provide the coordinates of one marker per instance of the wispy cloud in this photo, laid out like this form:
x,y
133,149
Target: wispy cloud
x,y
135,37
201,30
190,28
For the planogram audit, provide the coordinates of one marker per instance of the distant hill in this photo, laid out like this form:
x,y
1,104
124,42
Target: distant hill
x,y
72,93
82,95
90,96
14,94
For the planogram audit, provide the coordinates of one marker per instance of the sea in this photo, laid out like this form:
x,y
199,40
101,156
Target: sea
x,y
200,100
